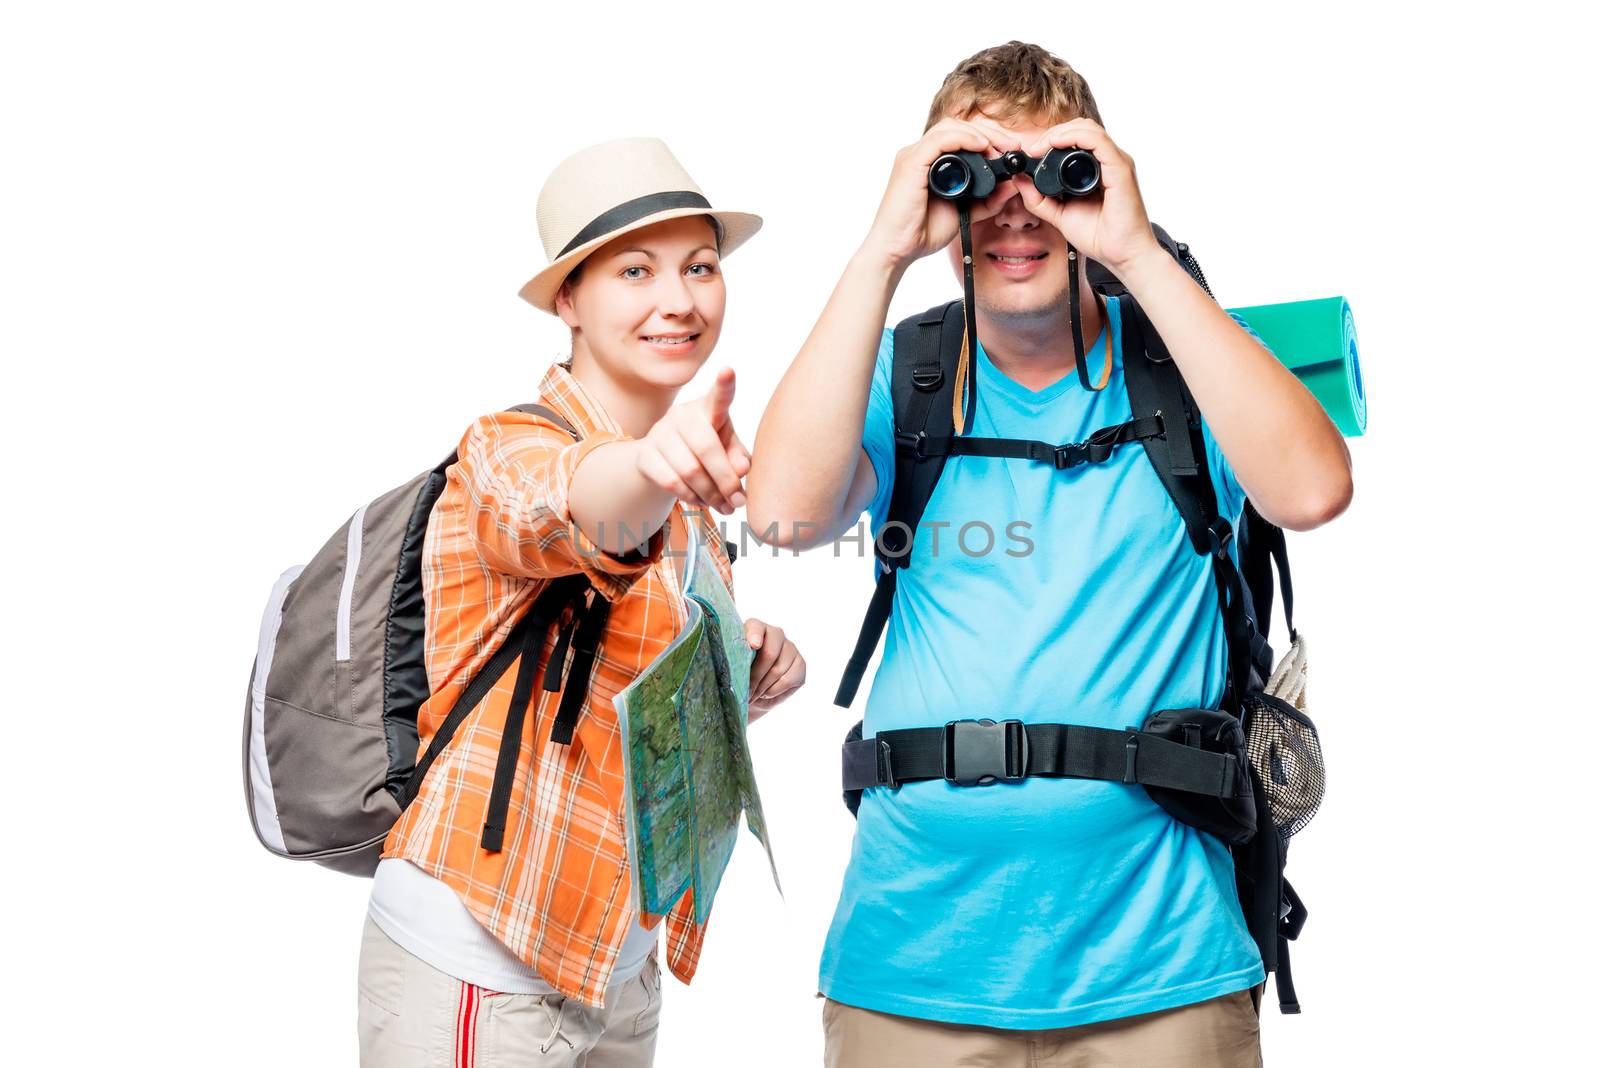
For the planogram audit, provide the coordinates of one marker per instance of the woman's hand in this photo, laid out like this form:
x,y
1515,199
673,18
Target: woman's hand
x,y
778,669
1110,227
693,453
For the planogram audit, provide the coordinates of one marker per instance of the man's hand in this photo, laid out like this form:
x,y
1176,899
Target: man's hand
x,y
778,669
693,453
1110,227
911,223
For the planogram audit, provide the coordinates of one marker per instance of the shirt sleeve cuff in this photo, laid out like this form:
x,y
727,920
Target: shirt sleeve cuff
x,y
611,573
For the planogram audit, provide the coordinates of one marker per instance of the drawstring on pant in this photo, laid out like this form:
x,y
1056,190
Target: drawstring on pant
x,y
555,1033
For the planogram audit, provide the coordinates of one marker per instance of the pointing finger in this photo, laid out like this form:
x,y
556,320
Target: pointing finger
x,y
720,399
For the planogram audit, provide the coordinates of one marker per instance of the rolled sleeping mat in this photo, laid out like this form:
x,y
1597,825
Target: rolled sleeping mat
x,y
1316,339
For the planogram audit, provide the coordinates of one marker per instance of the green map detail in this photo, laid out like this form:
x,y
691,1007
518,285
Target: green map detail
x,y
688,769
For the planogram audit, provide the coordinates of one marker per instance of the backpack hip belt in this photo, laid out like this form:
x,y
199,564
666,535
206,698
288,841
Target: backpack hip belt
x,y
980,752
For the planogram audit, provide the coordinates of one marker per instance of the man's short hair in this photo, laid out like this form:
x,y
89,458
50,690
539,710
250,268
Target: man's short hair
x,y
1014,80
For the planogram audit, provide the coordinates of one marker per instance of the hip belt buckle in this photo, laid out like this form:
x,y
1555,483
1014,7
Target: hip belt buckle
x,y
978,752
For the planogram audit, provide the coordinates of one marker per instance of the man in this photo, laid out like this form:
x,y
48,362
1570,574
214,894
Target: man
x,y
1052,920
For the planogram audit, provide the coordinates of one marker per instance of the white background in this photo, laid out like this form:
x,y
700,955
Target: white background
x,y
260,265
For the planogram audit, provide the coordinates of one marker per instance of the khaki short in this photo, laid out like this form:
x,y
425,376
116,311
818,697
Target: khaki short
x,y
1223,1032
412,1015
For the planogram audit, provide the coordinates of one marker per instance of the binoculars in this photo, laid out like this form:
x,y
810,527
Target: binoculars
x,y
1060,173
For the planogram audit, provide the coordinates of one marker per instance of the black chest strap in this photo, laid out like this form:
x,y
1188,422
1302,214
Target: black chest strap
x,y
1095,449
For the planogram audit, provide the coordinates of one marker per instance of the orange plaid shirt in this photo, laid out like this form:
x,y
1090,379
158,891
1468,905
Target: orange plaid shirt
x,y
558,894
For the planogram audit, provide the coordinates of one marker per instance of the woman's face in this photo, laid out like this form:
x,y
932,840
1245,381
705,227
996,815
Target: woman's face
x,y
648,306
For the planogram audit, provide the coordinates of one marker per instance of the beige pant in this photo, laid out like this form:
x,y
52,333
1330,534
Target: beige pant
x,y
1224,1032
412,1015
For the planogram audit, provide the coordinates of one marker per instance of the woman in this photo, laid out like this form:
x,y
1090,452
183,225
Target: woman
x,y
478,955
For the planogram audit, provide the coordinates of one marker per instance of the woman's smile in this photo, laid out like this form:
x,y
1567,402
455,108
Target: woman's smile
x,y
677,343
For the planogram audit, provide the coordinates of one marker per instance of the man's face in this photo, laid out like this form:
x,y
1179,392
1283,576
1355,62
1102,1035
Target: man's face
x,y
1019,261
649,304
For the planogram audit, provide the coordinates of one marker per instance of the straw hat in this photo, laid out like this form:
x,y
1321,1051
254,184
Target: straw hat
x,y
608,190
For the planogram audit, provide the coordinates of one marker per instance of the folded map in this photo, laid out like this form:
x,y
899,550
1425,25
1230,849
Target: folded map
x,y
687,767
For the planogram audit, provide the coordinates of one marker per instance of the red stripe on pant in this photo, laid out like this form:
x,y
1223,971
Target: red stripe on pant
x,y
467,1026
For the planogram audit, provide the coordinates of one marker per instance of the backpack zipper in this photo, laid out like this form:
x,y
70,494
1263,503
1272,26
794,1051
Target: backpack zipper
x,y
1192,265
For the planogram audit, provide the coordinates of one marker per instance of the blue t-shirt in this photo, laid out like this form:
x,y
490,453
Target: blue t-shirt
x,y
1050,902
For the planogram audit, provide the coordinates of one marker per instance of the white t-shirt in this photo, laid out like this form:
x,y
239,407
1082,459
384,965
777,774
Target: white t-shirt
x,y
426,919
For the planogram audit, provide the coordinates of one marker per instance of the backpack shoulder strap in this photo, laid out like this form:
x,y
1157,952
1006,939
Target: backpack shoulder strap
x,y
922,384
1273,912
1155,386
531,409
548,413
1262,545
524,644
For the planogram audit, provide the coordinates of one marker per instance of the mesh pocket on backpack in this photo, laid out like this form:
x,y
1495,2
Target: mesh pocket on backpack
x,y
1283,747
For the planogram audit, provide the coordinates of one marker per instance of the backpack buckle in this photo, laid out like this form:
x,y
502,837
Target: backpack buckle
x,y
978,752
927,379
1071,455
916,444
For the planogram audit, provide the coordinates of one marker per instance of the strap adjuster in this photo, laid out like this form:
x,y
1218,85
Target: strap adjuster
x,y
1130,756
916,444
1071,454
978,752
1220,533
1096,449
885,764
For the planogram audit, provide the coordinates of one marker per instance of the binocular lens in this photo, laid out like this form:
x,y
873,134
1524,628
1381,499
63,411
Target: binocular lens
x,y
949,177
1079,173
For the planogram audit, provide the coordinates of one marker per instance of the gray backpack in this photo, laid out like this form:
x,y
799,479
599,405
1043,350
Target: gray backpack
x,y
330,726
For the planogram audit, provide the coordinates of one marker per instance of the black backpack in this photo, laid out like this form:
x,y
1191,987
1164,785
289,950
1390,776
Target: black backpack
x,y
1166,422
